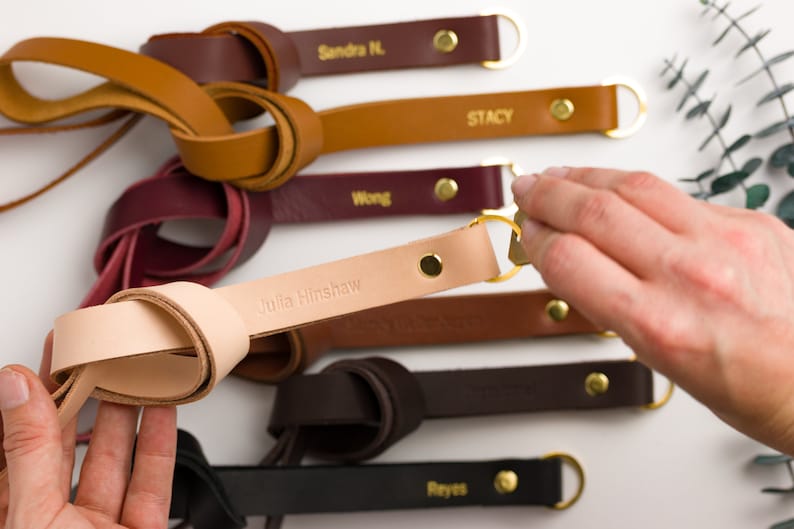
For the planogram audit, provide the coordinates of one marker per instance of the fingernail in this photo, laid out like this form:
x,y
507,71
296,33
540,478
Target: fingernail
x,y
14,390
523,183
560,172
529,228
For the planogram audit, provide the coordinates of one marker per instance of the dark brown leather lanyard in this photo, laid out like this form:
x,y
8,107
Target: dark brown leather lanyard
x,y
221,497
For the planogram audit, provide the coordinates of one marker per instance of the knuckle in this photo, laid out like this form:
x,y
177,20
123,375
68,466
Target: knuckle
x,y
25,439
637,182
710,276
594,208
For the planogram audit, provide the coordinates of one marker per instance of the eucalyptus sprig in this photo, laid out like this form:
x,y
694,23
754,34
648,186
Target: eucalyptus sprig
x,y
755,195
783,155
773,460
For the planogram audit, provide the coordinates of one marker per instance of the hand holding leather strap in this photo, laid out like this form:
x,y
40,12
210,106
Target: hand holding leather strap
x,y
220,497
261,53
359,408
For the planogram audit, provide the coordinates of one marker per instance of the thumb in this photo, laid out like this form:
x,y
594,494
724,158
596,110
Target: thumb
x,y
32,446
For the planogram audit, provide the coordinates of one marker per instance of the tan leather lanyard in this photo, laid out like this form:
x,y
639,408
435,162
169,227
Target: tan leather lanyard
x,y
200,117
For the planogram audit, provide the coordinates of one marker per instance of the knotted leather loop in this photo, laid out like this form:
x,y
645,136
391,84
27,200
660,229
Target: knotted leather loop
x,y
393,400
278,52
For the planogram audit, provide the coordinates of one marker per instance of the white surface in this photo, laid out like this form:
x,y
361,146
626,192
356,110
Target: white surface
x,y
676,467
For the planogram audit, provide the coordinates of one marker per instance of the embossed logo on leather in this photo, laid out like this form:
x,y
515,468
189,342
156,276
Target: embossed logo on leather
x,y
352,50
490,116
446,490
367,198
308,296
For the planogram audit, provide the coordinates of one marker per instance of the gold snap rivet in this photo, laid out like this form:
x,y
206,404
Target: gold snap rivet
x,y
596,384
562,109
445,40
505,482
557,309
430,265
445,189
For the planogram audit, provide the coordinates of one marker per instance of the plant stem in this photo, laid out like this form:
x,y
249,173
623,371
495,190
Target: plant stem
x,y
733,22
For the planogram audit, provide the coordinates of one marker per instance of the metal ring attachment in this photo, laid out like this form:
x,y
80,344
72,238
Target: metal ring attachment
x,y
574,463
516,229
662,401
516,170
521,30
642,102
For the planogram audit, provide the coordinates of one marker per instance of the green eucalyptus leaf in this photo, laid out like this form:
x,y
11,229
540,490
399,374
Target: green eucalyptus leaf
x,y
748,13
735,146
720,125
669,64
727,182
757,196
785,209
787,524
783,155
723,35
771,459
692,90
774,128
698,110
767,64
701,195
720,10
752,165
780,91
777,490
679,74
704,174
751,43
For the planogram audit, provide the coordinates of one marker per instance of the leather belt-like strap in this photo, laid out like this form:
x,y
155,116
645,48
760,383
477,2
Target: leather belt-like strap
x,y
424,321
200,117
131,253
220,497
360,407
258,52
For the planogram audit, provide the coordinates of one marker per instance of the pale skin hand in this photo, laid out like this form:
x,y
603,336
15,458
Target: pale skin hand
x,y
702,293
40,459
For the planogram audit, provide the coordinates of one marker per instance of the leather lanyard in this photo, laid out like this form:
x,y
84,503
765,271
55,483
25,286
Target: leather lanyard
x,y
357,408
132,254
261,53
220,497
200,117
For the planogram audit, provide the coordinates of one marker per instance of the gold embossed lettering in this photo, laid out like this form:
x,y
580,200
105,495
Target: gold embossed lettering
x,y
376,48
446,490
492,116
367,198
351,50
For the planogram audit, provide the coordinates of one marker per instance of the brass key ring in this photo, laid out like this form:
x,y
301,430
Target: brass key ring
x,y
516,230
521,30
642,111
574,463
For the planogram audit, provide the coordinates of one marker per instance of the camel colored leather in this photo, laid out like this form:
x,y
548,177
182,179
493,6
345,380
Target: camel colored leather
x,y
200,117
261,53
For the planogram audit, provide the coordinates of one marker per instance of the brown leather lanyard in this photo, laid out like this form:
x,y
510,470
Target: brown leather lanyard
x,y
201,118
261,53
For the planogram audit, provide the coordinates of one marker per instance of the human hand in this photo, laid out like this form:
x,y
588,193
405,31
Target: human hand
x,y
40,458
702,293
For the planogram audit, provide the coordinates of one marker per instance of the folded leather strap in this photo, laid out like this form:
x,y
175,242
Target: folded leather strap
x,y
171,344
424,321
131,253
254,51
220,497
200,117
360,407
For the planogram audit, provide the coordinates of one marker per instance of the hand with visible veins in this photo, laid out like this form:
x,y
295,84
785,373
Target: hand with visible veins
x,y
40,458
702,293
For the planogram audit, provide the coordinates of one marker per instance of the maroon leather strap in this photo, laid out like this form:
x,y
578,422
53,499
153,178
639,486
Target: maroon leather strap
x,y
132,254
258,52
356,409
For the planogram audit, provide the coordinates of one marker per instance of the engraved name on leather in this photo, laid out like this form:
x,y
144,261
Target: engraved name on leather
x,y
409,324
352,50
446,490
308,296
367,198
491,116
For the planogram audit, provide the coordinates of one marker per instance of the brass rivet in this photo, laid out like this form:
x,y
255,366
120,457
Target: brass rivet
x,y
596,384
445,40
557,309
562,109
430,265
446,189
505,482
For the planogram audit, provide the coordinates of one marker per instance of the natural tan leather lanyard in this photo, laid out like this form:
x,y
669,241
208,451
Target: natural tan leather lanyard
x,y
200,117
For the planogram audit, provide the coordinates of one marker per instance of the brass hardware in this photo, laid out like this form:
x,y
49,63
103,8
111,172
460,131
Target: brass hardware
x,y
505,482
642,103
562,109
445,40
515,252
596,384
664,400
445,189
430,265
557,309
577,467
521,31
516,171
516,232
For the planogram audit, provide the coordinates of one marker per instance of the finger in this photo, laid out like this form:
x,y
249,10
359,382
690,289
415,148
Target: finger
x,y
149,494
601,289
660,200
32,445
106,467
599,216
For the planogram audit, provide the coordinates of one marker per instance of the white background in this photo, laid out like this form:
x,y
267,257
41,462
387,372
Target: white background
x,y
676,467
